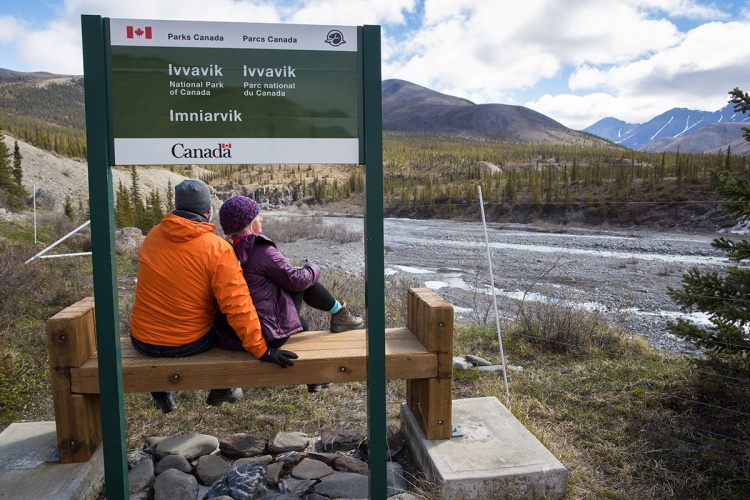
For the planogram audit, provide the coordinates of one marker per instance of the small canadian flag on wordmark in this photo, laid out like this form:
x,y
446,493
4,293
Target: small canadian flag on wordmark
x,y
139,32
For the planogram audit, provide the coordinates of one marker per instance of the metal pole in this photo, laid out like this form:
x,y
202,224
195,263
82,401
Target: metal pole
x,y
58,241
494,297
35,242
96,69
374,260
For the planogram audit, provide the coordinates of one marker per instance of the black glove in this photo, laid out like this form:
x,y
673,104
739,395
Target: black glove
x,y
281,358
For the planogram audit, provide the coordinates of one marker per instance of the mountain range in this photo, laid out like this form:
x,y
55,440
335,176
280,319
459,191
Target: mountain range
x,y
680,129
409,107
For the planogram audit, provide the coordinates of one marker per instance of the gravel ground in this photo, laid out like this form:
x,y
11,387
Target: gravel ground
x,y
623,272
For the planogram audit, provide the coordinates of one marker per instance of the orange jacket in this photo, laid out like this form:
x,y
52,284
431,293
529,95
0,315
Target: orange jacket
x,y
185,270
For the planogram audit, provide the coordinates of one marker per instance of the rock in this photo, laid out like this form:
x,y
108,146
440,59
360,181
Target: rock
x,y
273,472
260,460
395,442
242,446
326,458
460,363
288,441
245,481
296,487
490,369
173,484
190,447
289,458
140,476
340,440
173,462
137,457
344,485
275,495
311,469
210,468
476,360
351,464
397,483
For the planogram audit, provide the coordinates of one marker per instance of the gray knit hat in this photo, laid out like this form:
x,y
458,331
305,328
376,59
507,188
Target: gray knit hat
x,y
192,195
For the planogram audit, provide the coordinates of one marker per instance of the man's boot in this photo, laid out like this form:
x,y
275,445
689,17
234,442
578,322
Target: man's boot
x,y
344,320
218,396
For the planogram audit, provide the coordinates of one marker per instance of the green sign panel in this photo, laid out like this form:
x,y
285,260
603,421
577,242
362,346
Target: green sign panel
x,y
208,93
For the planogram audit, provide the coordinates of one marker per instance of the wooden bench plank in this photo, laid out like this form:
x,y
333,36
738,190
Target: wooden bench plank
x,y
323,357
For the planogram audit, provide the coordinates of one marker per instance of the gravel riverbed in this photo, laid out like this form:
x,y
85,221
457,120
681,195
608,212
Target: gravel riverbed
x,y
623,272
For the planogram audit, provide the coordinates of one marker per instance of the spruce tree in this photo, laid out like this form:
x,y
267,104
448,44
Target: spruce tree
x,y
136,200
68,208
124,216
6,171
725,297
169,197
17,171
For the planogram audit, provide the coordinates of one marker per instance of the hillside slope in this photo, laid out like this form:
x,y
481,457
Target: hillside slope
x,y
55,177
409,107
712,138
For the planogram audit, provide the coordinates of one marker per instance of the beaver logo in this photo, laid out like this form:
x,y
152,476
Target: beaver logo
x,y
335,38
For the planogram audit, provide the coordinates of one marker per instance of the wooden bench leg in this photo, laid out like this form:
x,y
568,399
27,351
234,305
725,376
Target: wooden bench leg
x,y
430,319
71,339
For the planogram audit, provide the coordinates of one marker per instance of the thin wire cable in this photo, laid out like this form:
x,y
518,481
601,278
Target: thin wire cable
x,y
494,297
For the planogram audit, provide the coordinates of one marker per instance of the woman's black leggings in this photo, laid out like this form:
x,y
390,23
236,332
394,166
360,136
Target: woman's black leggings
x,y
317,297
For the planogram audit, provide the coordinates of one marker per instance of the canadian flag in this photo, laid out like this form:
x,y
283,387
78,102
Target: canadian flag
x,y
139,32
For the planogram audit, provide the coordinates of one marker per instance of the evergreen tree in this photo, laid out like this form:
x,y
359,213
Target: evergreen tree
x,y
136,199
169,197
124,216
68,208
18,171
741,101
725,298
6,172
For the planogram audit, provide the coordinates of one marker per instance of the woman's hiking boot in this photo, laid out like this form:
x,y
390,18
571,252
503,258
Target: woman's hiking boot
x,y
344,320
165,403
218,396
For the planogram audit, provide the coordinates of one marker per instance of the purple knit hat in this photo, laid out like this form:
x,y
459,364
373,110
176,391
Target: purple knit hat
x,y
236,213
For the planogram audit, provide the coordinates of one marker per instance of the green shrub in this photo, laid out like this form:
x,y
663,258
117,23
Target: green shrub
x,y
559,326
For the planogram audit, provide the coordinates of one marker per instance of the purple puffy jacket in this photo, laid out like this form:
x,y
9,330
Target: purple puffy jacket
x,y
270,277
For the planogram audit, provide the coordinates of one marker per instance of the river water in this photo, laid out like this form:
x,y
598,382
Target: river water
x,y
624,273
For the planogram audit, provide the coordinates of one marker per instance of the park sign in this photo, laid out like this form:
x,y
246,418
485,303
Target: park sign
x,y
186,92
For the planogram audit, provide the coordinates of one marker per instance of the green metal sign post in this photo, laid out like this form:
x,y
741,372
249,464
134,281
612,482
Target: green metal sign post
x,y
172,92
95,64
374,260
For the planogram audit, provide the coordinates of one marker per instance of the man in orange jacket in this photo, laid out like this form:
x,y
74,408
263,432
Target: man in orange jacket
x,y
186,272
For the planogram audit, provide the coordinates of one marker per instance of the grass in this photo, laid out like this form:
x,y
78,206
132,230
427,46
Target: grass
x,y
626,420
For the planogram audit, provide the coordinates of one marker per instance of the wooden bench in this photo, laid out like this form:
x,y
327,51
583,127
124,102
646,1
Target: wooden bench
x,y
421,353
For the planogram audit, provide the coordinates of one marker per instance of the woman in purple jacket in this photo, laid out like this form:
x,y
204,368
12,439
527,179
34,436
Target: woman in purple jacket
x,y
276,286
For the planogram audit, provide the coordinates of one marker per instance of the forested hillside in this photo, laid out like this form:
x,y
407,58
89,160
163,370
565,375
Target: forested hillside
x,y
431,175
46,113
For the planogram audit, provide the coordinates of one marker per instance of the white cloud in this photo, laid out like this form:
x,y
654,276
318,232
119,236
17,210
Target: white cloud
x,y
689,9
711,60
10,29
56,47
350,12
623,58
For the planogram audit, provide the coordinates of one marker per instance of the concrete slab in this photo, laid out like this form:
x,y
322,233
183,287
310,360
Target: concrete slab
x,y
26,472
496,457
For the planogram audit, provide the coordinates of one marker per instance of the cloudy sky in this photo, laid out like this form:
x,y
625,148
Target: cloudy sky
x,y
576,61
